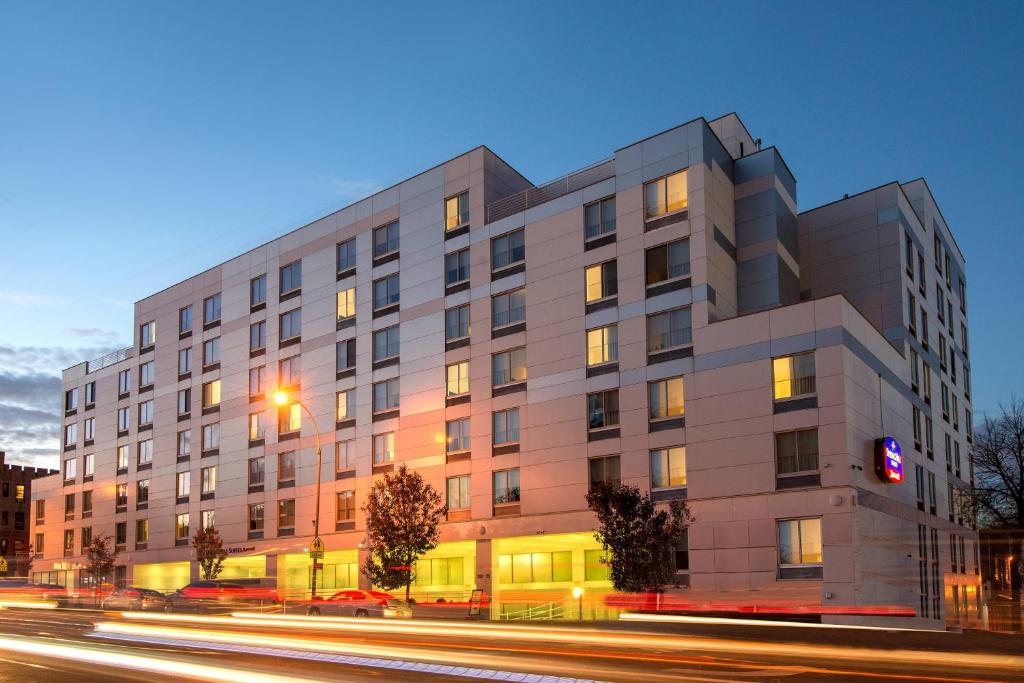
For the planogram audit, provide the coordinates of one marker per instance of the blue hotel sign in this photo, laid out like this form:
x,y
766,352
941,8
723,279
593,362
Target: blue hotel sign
x,y
889,460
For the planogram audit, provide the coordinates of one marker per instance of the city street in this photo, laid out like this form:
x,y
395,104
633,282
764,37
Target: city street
x,y
38,645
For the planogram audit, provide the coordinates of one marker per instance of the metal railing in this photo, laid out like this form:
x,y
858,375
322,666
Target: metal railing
x,y
109,359
548,610
534,196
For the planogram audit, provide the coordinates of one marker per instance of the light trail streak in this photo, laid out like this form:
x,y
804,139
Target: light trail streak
x,y
611,639
121,660
27,604
678,619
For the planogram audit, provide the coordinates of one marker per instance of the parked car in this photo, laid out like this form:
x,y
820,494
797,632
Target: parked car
x,y
136,599
221,596
360,603
23,590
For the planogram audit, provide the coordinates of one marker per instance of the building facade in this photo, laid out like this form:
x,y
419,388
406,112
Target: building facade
x,y
15,498
664,318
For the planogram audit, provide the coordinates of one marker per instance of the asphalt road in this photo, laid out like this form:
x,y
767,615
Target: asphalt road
x,y
85,646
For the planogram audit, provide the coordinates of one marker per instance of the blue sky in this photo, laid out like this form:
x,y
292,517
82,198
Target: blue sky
x,y
141,142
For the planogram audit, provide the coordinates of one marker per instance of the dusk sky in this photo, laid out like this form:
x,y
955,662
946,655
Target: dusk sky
x,y
141,143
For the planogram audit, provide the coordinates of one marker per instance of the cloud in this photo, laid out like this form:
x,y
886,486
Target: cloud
x,y
353,189
31,299
30,397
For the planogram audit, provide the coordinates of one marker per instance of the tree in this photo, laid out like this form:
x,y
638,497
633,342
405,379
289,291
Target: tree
x,y
100,557
402,518
999,485
638,539
210,552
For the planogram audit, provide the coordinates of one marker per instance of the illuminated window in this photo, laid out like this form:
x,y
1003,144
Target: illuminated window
x,y
286,517
458,492
291,277
289,371
258,290
181,526
604,470
506,426
603,409
211,352
793,376
211,309
346,405
668,467
344,456
147,334
458,435
508,250
508,308
456,323
796,451
667,262
508,367
185,319
184,443
385,239
665,195
86,538
506,487
345,506
208,477
121,495
122,457
799,542
439,571
211,436
257,426
206,519
145,454
69,541
346,304
285,467
289,419
456,211
386,395
595,566
386,291
211,394
602,345
599,218
346,255
258,335
601,281
291,324
666,398
383,448
141,531
146,413
386,343
457,379
456,267
669,330
535,567
184,484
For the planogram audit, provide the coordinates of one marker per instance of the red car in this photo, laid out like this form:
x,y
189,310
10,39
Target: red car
x,y
360,603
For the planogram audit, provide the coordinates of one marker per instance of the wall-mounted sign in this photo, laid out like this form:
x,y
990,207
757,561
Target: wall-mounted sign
x,y
889,460
236,550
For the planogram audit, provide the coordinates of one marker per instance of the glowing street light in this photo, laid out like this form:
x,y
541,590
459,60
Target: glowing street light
x,y
316,549
577,594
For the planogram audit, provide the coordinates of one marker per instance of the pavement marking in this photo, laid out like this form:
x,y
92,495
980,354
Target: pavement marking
x,y
352,660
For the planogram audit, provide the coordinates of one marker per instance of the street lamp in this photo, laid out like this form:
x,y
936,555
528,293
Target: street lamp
x,y
317,547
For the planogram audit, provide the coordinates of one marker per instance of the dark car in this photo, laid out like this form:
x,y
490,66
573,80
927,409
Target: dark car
x,y
128,599
221,596
360,603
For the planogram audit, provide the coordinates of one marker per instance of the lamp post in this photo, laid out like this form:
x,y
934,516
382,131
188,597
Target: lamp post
x,y
316,548
577,593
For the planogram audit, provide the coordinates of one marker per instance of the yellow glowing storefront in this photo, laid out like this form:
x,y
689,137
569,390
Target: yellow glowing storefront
x,y
168,577
294,573
534,577
448,571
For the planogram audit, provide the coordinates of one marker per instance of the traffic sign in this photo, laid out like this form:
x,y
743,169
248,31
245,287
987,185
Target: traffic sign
x,y
316,549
